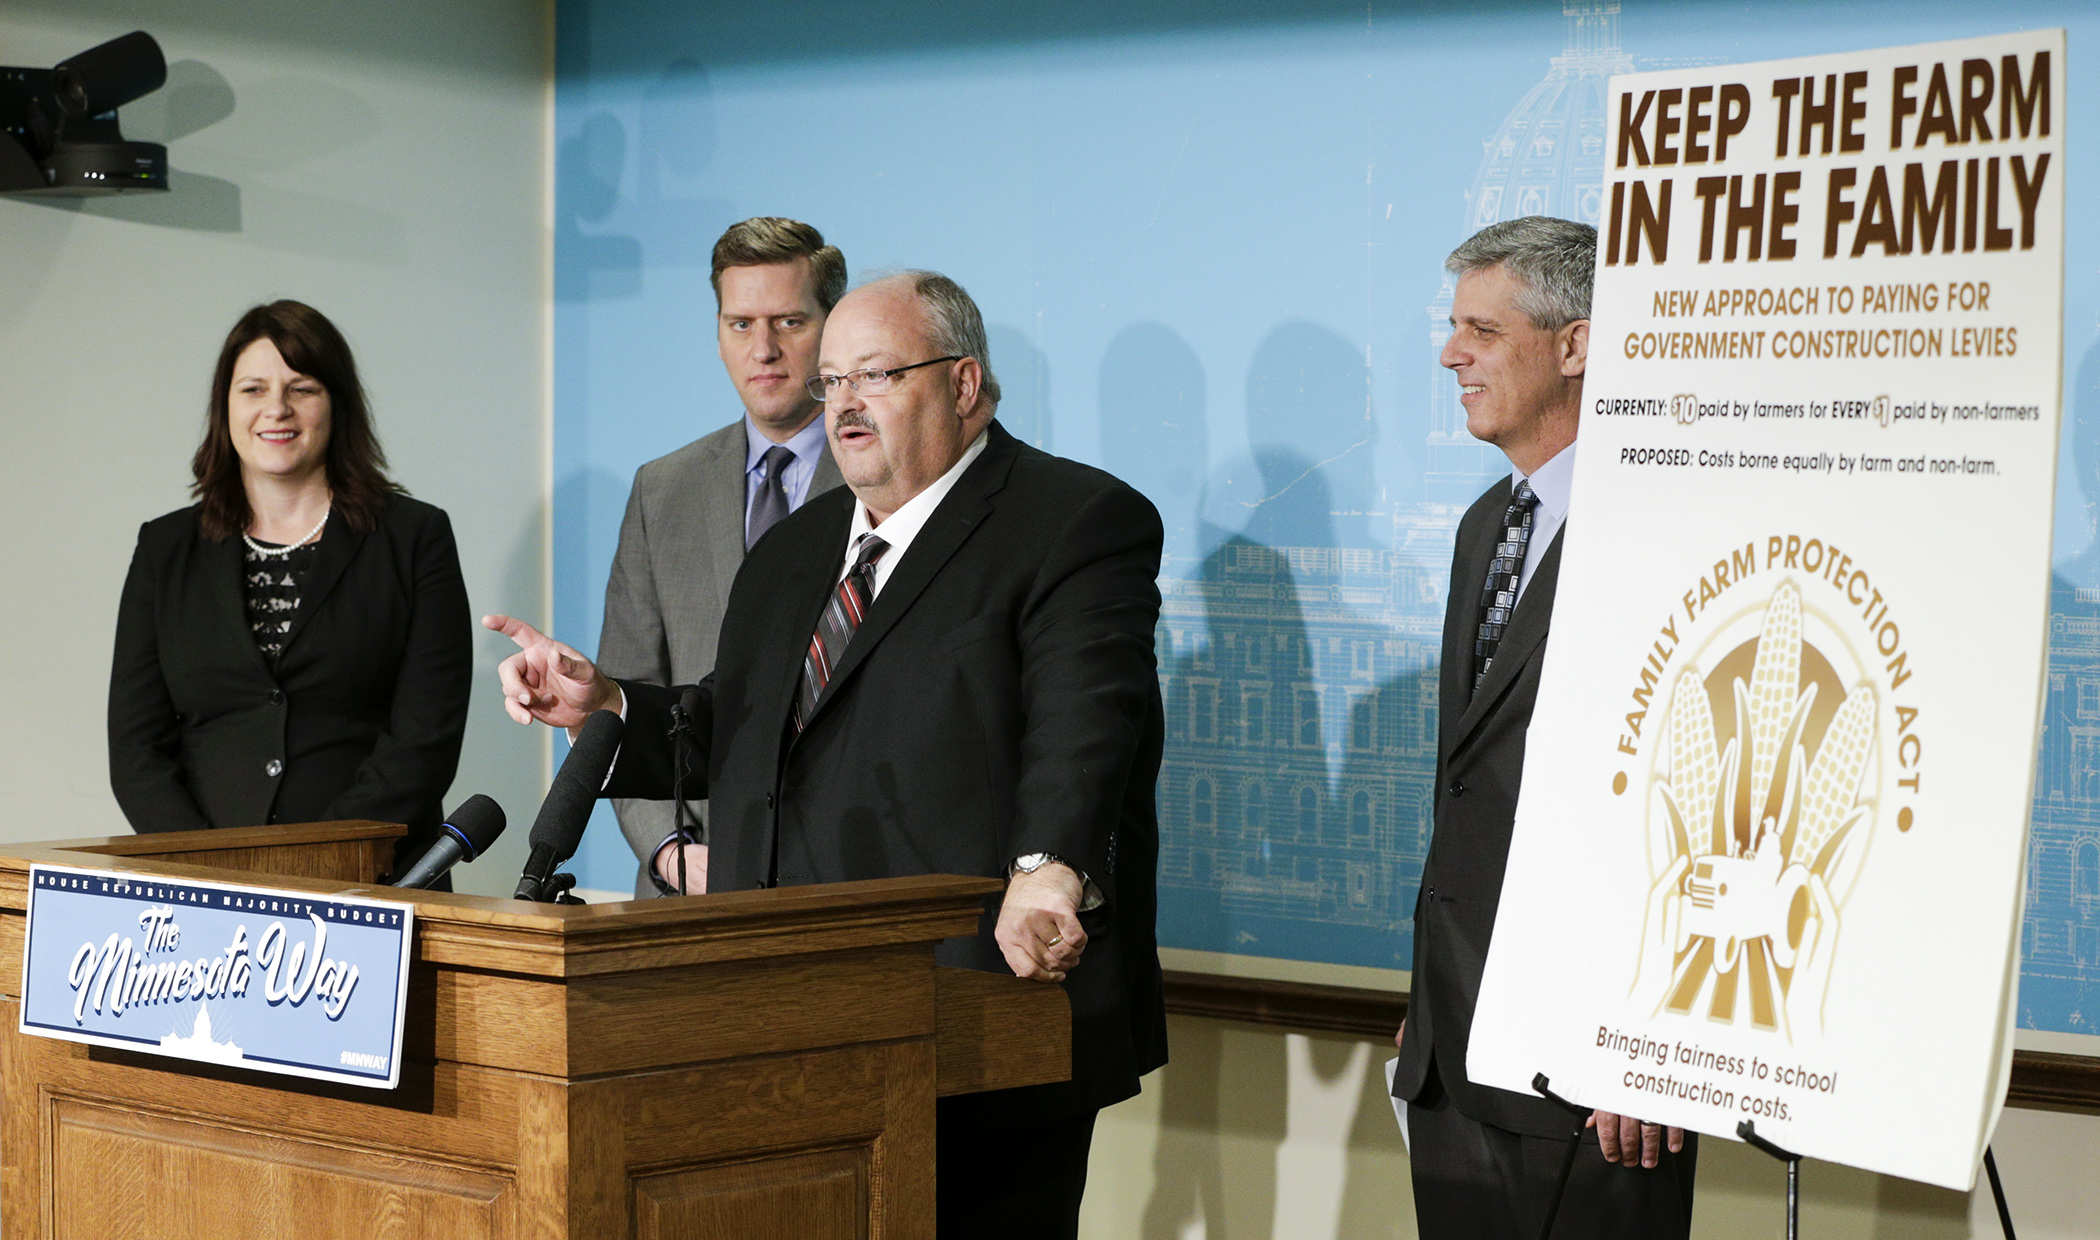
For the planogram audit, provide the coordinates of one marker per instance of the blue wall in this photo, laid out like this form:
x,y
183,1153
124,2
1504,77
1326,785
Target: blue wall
x,y
1208,243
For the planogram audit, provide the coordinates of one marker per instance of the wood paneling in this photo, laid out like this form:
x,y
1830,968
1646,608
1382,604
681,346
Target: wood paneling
x,y
821,1195
903,1208
737,1109
977,1052
118,1174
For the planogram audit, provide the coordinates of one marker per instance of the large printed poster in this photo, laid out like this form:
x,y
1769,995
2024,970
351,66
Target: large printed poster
x,y
1768,860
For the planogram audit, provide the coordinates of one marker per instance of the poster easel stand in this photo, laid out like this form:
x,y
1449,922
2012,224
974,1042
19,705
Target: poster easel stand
x,y
1567,1161
1747,1130
1990,1167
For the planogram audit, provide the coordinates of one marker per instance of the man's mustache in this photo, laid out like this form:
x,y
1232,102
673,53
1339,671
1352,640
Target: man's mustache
x,y
850,420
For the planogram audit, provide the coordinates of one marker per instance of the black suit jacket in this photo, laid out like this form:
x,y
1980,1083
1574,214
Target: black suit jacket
x,y
1000,699
362,715
1480,762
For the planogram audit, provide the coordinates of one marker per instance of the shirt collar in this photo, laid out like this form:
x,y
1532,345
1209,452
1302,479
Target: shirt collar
x,y
1552,482
903,525
804,443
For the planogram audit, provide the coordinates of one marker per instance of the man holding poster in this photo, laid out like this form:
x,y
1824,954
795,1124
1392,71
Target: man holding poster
x,y
1486,1161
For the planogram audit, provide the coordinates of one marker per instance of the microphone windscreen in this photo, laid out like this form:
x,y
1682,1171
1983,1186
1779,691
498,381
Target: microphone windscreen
x,y
567,809
477,822
689,703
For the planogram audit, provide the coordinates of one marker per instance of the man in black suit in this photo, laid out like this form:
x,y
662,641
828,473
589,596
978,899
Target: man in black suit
x,y
1485,1160
945,667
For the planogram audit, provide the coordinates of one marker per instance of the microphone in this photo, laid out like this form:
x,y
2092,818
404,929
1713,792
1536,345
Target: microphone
x,y
567,810
468,832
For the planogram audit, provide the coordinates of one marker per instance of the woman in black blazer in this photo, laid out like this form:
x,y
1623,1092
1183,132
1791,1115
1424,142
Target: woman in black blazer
x,y
295,646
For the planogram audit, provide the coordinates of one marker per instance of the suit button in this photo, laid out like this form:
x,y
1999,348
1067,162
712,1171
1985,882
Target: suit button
x,y
1431,893
276,697
273,768
770,800
1457,788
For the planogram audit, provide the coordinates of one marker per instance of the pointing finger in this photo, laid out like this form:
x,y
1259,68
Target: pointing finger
x,y
515,629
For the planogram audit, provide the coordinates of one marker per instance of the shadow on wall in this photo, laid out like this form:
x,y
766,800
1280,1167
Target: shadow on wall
x,y
1153,431
592,265
1024,386
601,229
1266,1136
674,147
1309,419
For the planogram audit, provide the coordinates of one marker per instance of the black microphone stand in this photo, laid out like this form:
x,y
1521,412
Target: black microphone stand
x,y
683,741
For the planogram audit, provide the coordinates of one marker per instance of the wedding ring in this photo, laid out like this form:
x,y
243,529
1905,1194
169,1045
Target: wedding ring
x,y
1055,939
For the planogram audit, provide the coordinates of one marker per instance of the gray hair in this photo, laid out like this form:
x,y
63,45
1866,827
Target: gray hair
x,y
1553,260
953,323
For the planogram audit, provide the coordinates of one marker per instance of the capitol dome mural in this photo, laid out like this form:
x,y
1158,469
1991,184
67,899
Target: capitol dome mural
x,y
1546,159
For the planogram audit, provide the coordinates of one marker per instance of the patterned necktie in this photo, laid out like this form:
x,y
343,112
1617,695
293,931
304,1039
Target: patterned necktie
x,y
771,502
1498,596
835,628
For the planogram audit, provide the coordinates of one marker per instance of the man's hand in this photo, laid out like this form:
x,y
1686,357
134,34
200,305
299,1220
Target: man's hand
x,y
549,681
1039,923
1627,1140
666,865
1400,1034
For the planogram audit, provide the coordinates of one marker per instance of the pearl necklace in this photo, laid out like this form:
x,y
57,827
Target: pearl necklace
x,y
288,548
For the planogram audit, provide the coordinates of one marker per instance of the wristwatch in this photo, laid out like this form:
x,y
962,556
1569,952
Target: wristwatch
x,y
1035,861
1029,863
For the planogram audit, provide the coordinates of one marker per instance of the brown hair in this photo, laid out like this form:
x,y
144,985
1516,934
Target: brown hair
x,y
356,463
770,239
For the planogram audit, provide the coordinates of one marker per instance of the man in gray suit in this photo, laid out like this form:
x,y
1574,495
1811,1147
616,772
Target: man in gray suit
x,y
1486,1161
693,514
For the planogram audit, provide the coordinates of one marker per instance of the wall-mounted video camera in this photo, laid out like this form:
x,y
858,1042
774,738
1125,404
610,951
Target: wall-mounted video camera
x,y
58,126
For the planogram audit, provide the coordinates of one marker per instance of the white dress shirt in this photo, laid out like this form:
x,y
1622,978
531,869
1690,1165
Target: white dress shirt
x,y
903,525
1552,483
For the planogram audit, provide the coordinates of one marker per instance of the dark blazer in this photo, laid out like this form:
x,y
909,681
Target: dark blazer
x,y
362,715
1001,699
681,543
1480,762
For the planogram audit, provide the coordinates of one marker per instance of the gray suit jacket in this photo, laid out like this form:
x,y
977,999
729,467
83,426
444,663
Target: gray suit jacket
x,y
681,544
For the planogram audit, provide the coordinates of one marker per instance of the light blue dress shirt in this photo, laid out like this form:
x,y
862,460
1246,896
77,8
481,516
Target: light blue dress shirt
x,y
807,445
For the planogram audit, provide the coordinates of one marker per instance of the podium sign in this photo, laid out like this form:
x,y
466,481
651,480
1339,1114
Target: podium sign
x,y
280,981
1767,863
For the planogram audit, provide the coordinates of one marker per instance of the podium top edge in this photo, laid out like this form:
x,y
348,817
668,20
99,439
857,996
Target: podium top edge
x,y
940,895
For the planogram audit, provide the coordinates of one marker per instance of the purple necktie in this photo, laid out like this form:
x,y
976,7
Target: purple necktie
x,y
771,502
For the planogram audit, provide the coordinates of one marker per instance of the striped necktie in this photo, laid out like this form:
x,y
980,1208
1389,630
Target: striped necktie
x,y
835,628
1498,595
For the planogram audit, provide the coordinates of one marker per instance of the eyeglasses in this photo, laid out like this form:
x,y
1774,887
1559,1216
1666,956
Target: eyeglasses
x,y
866,382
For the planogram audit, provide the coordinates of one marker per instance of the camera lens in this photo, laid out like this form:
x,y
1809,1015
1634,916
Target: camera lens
x,y
105,78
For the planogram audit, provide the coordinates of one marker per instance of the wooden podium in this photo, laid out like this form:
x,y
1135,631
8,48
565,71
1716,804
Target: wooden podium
x,y
753,1064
